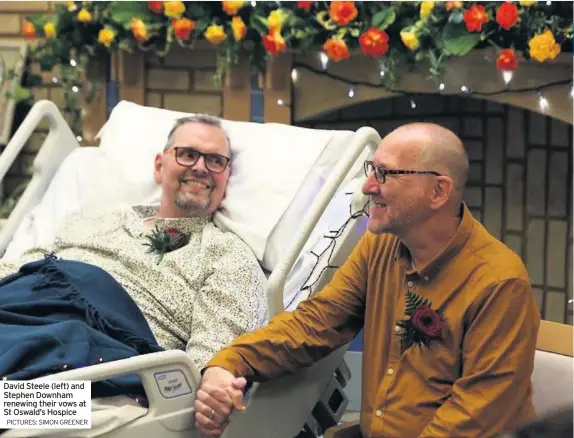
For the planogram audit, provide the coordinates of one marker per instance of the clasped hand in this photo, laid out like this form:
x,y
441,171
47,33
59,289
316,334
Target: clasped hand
x,y
220,392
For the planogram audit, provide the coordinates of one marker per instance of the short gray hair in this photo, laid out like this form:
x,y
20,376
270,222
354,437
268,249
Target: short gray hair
x,y
204,119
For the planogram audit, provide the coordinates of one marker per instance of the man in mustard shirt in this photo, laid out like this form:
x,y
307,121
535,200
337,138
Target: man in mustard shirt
x,y
450,321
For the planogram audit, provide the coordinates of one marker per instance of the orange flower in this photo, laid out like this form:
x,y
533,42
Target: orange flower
x,y
173,9
156,7
182,28
507,15
507,60
453,5
305,5
336,49
343,13
274,43
232,8
238,27
374,42
475,17
139,29
543,47
28,29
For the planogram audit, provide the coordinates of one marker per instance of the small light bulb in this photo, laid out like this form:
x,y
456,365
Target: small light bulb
x,y
413,104
294,75
75,89
280,102
382,73
507,76
73,62
441,86
464,89
79,138
55,80
253,3
549,3
351,92
572,92
570,301
543,102
324,60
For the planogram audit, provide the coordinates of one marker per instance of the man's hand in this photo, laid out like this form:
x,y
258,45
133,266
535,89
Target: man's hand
x,y
219,393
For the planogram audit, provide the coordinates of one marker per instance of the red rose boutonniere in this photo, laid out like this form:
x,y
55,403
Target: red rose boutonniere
x,y
423,325
162,242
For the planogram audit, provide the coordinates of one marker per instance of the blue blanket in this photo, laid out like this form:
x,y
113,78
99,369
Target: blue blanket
x,y
59,314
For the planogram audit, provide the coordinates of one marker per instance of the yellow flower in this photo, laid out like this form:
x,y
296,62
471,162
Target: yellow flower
x,y
275,20
426,9
526,3
215,34
544,47
72,6
106,36
50,30
410,39
173,9
84,16
232,8
238,27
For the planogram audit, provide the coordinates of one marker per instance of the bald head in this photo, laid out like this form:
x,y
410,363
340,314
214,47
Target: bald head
x,y
435,148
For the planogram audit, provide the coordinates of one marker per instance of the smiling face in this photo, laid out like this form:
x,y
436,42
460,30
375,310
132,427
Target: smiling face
x,y
403,201
195,190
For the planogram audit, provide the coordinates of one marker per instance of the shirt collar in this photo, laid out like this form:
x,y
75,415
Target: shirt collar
x,y
187,225
454,246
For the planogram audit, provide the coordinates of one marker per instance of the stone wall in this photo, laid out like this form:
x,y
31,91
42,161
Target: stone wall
x,y
520,183
183,81
12,15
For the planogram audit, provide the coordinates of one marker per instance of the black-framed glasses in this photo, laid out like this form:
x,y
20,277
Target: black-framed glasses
x,y
381,173
187,157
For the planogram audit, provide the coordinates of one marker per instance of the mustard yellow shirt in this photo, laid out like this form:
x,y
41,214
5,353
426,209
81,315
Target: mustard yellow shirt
x,y
475,382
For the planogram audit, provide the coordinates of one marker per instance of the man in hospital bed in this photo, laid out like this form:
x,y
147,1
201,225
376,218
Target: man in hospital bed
x,y
458,365
68,306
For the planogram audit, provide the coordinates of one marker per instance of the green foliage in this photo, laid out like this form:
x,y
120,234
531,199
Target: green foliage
x,y
413,301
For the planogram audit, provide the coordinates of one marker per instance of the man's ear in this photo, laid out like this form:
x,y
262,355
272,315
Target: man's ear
x,y
157,168
442,191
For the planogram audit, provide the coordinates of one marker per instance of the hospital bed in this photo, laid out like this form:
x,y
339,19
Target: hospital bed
x,y
293,196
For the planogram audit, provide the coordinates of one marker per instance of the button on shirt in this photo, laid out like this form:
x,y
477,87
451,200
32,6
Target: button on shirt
x,y
199,298
474,382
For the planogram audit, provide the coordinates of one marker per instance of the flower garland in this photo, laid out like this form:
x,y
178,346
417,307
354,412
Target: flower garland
x,y
401,34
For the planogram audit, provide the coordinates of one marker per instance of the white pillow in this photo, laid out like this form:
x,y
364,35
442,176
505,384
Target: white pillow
x,y
270,163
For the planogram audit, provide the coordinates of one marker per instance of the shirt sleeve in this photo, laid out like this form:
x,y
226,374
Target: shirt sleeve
x,y
497,360
231,302
318,326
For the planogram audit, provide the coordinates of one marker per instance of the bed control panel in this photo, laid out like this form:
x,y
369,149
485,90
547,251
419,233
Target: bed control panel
x,y
172,383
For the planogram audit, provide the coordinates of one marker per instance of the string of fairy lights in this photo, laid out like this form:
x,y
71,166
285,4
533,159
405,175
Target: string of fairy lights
x,y
440,87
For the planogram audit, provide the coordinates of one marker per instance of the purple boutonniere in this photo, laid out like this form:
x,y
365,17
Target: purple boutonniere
x,y
423,325
162,242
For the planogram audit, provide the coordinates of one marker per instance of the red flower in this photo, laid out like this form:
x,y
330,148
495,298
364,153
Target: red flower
x,y
374,42
274,43
305,5
177,238
507,60
428,322
343,13
475,17
28,29
336,49
507,15
156,7
182,28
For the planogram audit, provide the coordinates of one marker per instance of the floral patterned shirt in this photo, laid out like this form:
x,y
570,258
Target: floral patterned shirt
x,y
199,298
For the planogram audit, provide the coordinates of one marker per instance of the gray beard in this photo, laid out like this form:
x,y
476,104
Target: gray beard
x,y
191,207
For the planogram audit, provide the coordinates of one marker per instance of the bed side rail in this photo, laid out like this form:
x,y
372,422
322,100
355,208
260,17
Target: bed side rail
x,y
364,137
58,144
